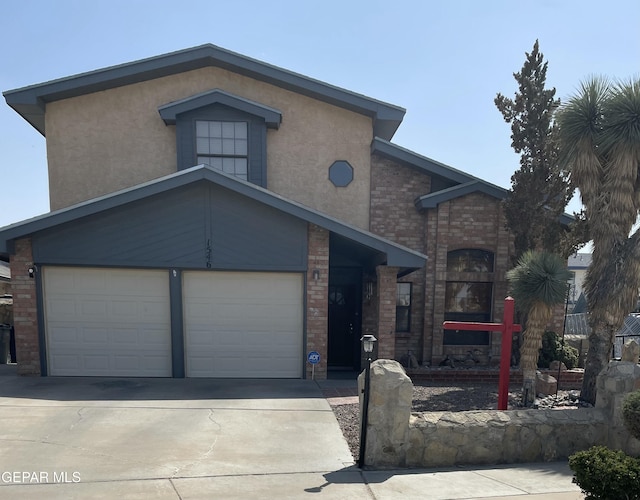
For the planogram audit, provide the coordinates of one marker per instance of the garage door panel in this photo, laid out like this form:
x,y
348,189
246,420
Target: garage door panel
x,y
243,324
95,332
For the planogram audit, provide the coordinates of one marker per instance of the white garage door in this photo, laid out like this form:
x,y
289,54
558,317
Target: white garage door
x,y
107,322
243,324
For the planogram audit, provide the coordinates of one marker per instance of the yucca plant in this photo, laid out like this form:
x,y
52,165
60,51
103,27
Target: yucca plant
x,y
599,138
538,283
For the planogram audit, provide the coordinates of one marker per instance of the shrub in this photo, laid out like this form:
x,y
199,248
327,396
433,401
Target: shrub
x,y
605,474
631,413
553,350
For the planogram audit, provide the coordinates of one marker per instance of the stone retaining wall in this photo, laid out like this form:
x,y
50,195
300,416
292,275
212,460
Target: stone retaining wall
x,y
488,437
398,438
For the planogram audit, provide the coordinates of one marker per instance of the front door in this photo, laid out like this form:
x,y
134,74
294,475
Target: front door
x,y
344,322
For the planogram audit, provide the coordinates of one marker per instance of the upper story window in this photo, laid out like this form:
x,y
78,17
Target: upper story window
x,y
223,145
225,131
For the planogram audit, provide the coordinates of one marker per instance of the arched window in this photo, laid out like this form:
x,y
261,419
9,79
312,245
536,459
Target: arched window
x,y
468,300
470,260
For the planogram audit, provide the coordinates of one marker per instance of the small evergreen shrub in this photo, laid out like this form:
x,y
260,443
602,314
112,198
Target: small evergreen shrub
x,y
631,413
553,350
605,474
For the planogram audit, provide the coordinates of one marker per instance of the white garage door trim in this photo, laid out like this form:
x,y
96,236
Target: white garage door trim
x,y
243,324
107,322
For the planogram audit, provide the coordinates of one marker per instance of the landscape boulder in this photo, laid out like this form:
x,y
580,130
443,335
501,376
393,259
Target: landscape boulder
x,y
546,384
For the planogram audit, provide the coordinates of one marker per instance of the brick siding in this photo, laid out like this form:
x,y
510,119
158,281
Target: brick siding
x,y
472,221
25,309
317,298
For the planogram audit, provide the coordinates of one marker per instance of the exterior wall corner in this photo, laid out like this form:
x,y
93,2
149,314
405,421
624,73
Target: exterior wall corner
x,y
25,309
317,294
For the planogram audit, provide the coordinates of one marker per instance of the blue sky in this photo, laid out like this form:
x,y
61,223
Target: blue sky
x,y
443,61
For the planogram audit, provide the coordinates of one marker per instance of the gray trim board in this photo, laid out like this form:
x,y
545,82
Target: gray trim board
x,y
44,368
177,324
30,102
432,200
168,112
396,255
410,159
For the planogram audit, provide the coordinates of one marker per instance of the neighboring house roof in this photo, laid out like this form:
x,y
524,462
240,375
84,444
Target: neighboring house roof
x,y
579,261
5,271
30,102
396,255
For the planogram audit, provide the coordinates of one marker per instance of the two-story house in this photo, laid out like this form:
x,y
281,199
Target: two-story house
x,y
216,216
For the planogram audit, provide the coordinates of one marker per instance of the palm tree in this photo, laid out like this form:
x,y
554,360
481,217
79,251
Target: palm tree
x,y
539,282
599,134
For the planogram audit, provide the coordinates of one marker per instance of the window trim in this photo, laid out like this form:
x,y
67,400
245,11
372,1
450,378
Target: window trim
x,y
222,155
406,308
217,105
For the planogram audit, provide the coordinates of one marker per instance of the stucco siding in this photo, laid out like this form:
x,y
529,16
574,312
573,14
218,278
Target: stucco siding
x,y
105,141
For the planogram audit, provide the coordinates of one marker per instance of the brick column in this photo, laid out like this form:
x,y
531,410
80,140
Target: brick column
x,y
317,298
387,277
25,310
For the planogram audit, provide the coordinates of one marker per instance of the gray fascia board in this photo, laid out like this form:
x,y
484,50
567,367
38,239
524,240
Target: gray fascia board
x,y
411,159
169,111
397,255
432,200
27,100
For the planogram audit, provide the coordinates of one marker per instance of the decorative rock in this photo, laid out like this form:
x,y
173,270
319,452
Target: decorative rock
x,y
546,384
409,360
554,365
631,352
391,392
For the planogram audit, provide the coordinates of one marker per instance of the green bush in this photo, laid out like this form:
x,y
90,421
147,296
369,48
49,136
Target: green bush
x,y
553,350
605,474
631,413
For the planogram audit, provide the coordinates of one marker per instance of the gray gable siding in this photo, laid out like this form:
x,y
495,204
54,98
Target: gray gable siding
x,y
198,226
393,254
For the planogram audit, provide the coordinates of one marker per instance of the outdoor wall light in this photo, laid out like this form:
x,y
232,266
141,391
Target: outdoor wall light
x,y
32,271
316,275
368,343
368,290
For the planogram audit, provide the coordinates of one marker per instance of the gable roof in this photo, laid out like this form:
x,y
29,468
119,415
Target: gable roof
x,y
168,112
463,183
396,255
30,102
432,200
411,159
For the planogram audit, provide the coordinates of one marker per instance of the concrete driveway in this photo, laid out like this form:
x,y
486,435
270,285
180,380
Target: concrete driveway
x,y
165,438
